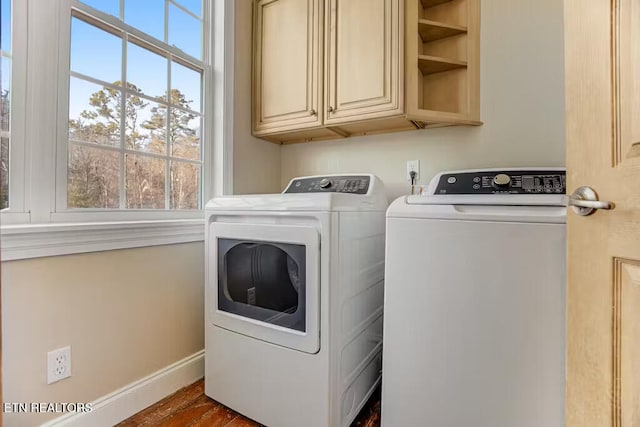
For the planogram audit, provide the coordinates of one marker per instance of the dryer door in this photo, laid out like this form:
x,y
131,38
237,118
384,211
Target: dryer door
x,y
265,282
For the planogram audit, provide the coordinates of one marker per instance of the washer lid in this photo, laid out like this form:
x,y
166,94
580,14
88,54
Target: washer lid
x,y
490,200
505,194
496,208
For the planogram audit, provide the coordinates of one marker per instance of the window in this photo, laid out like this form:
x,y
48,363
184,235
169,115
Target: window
x,y
135,105
108,122
5,100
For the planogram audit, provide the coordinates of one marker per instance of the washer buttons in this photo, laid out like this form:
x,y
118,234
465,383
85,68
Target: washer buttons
x,y
451,180
476,186
476,179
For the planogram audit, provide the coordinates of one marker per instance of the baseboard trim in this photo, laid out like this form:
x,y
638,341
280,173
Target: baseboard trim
x,y
131,399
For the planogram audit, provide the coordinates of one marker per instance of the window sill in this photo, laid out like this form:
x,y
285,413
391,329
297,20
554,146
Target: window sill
x,y
53,239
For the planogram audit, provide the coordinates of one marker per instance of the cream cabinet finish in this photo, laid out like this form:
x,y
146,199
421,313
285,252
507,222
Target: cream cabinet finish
x,y
326,69
364,70
287,84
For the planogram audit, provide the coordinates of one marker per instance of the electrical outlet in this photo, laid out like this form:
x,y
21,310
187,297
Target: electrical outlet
x,y
58,364
413,165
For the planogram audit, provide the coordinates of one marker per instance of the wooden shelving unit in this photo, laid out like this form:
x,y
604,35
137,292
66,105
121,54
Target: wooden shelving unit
x,y
443,62
434,64
431,3
432,30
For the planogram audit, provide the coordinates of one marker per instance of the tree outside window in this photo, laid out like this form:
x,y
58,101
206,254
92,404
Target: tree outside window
x,y
135,114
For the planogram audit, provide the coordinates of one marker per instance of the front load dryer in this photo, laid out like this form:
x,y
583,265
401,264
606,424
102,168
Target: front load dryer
x,y
474,302
294,300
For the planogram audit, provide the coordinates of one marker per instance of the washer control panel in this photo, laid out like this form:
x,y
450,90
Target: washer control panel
x,y
508,182
330,184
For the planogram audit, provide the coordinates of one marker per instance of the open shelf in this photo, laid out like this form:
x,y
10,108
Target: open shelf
x,y
430,3
431,30
434,64
443,62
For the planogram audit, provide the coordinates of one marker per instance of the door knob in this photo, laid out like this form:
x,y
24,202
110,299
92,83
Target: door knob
x,y
584,201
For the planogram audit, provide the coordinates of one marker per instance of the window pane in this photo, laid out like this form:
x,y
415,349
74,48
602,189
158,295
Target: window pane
x,y
194,6
152,136
94,113
185,191
4,173
5,94
145,182
147,16
187,83
185,134
146,126
5,23
93,178
112,7
185,32
95,53
146,70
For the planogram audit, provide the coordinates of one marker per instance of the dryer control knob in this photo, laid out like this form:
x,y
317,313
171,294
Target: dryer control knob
x,y
325,183
501,180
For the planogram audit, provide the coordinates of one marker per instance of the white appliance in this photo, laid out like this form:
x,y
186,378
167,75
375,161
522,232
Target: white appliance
x,y
474,302
294,299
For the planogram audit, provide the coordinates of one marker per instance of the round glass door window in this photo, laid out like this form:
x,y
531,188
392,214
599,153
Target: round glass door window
x,y
263,281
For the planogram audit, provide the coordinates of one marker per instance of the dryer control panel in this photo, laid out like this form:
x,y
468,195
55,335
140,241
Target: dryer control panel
x,y
507,182
353,184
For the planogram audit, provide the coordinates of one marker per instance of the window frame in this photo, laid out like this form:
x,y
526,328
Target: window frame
x,y
62,213
36,225
18,211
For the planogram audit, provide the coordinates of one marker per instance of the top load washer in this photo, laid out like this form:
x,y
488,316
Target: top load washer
x,y
474,301
293,299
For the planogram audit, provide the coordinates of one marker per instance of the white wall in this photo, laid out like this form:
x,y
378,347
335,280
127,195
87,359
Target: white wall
x,y
522,106
256,163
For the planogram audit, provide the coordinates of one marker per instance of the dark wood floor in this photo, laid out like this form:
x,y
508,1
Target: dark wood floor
x,y
190,407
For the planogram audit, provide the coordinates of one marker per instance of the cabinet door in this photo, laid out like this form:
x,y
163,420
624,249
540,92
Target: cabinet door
x,y
364,59
286,65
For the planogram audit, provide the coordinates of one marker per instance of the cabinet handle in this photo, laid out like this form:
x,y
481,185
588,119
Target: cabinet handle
x,y
313,112
330,109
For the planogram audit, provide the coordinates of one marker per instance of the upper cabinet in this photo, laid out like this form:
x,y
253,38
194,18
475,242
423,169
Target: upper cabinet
x,y
363,64
325,69
287,65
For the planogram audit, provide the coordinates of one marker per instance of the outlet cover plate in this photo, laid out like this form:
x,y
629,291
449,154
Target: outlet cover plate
x,y
413,165
58,364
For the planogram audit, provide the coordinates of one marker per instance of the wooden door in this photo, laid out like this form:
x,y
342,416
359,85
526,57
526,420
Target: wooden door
x,y
364,59
602,49
287,65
